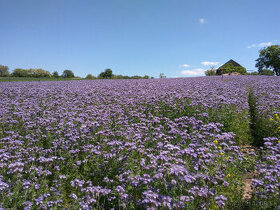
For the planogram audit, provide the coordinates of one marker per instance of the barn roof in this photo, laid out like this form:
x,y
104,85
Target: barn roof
x,y
234,63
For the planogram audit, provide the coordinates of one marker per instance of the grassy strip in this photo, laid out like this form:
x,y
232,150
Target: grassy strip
x,y
256,127
18,79
260,126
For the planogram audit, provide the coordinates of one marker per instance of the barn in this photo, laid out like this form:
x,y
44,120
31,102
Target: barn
x,y
222,69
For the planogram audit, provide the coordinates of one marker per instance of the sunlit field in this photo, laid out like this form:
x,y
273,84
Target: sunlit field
x,y
141,144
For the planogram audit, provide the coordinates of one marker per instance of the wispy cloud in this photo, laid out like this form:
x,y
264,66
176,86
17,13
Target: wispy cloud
x,y
202,20
252,45
185,65
193,72
209,63
263,44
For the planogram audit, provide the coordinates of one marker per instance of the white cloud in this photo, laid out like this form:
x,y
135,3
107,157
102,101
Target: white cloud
x,y
209,63
252,45
193,72
185,65
202,20
263,44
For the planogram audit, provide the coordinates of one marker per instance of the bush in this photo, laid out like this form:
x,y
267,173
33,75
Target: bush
x,y
20,73
68,74
253,73
107,74
210,72
38,73
90,76
31,73
128,77
55,74
267,72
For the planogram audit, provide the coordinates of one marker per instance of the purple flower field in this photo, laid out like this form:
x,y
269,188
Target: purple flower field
x,y
137,144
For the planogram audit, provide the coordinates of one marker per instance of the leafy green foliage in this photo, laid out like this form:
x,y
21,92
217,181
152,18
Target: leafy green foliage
x,y
20,73
229,68
260,126
18,79
269,57
267,72
68,74
256,127
129,77
90,76
253,73
55,74
210,72
31,73
4,71
107,74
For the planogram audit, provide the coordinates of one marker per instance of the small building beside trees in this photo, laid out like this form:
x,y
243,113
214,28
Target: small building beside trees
x,y
231,67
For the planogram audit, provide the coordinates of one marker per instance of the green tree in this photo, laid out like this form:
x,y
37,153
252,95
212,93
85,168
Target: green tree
x,y
4,71
211,72
20,73
31,73
107,74
68,74
90,76
55,74
38,73
254,73
267,72
269,57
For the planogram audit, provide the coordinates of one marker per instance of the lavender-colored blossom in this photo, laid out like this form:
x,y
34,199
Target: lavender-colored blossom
x,y
148,143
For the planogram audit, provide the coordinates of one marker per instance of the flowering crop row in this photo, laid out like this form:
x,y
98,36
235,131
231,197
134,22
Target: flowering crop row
x,y
266,185
170,143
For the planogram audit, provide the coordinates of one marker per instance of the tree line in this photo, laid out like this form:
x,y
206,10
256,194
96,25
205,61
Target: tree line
x,y
108,74
268,63
36,73
41,73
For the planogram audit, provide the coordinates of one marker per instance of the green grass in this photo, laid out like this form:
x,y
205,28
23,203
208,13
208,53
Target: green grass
x,y
19,79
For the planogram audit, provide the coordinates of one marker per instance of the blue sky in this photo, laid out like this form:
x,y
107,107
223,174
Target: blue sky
x,y
179,38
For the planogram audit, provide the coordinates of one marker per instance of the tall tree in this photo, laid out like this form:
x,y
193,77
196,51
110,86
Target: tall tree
x,y
90,76
38,73
269,58
107,74
55,74
20,73
68,73
4,71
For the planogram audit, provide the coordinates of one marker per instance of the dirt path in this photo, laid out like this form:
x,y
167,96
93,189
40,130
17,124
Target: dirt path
x,y
247,181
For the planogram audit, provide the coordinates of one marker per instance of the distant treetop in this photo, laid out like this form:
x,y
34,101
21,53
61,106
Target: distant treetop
x,y
68,74
4,71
